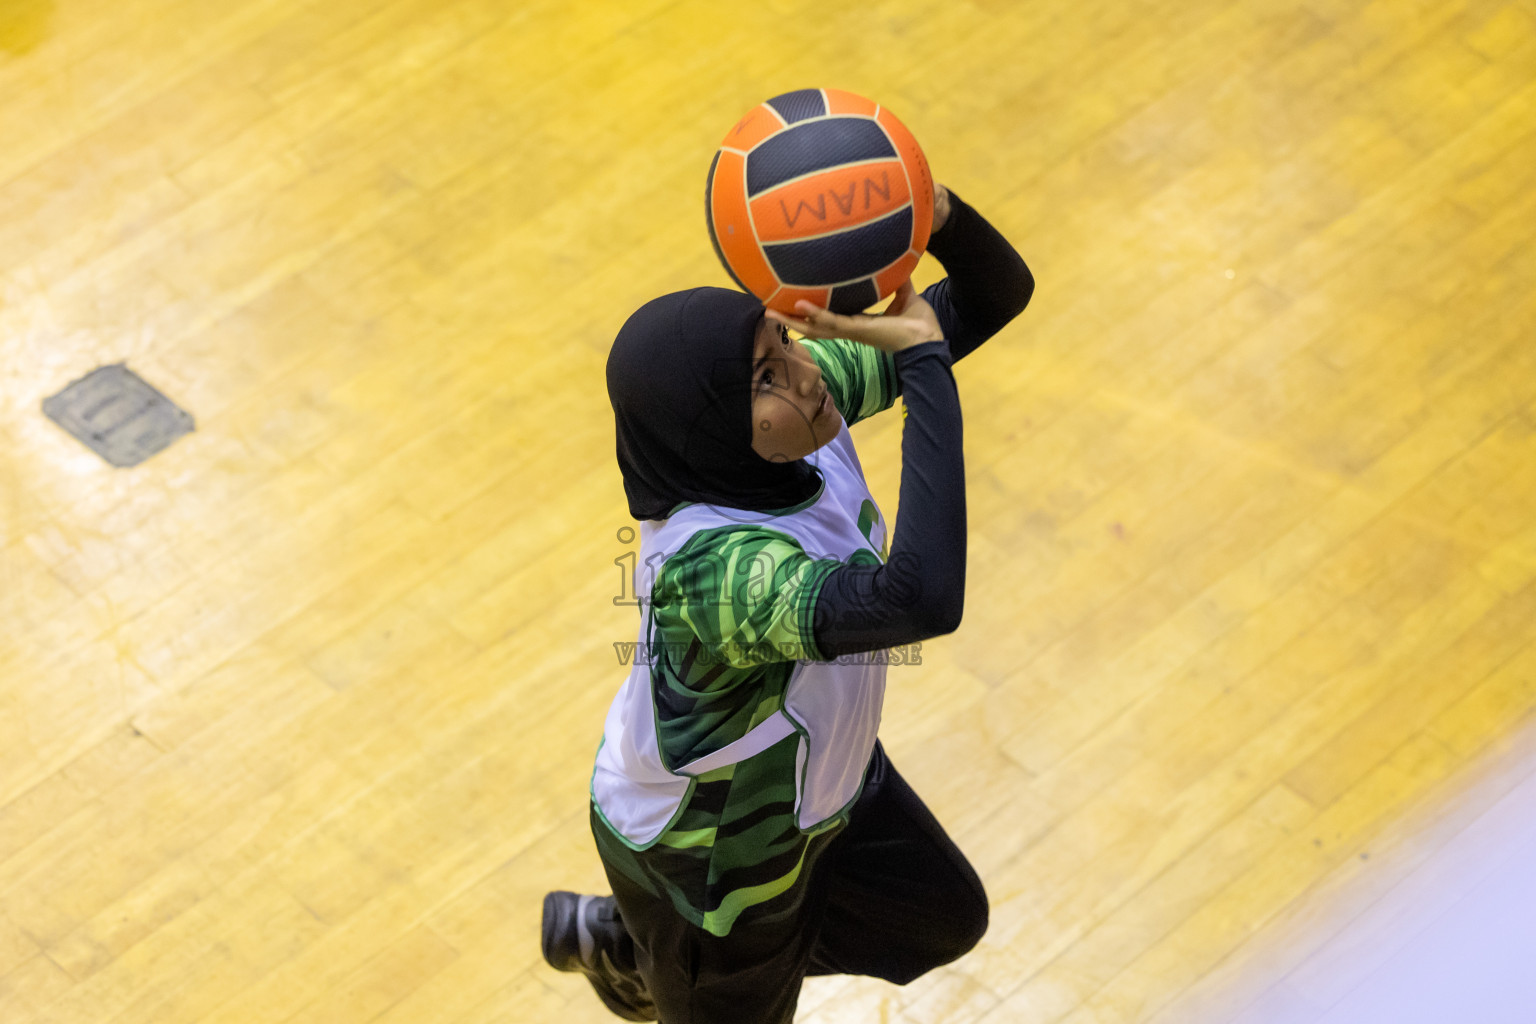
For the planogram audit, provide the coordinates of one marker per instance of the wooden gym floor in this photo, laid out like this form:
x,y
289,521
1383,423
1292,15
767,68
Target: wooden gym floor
x,y
296,718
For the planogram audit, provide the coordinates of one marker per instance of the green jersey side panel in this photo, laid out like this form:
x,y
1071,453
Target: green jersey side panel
x,y
735,849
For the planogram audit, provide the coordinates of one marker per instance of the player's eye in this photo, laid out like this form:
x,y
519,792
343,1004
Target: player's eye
x,y
784,335
766,380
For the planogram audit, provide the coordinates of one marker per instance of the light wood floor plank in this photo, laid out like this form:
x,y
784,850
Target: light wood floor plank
x,y
297,718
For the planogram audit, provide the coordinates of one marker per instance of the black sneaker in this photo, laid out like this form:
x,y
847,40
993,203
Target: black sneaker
x,y
583,933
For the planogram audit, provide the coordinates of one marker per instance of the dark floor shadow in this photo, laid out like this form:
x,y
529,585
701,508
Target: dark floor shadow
x,y
24,24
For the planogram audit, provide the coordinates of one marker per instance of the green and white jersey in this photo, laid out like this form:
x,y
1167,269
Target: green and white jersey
x,y
732,745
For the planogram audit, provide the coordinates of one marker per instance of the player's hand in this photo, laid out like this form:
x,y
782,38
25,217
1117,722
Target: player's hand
x,y
907,321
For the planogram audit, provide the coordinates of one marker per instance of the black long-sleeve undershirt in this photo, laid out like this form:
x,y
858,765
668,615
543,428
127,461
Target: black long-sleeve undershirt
x,y
919,592
988,283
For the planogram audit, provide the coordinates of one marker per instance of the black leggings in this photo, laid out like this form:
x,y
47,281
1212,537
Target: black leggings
x,y
890,897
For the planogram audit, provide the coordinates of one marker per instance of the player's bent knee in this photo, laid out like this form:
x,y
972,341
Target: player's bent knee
x,y
970,924
970,921
945,942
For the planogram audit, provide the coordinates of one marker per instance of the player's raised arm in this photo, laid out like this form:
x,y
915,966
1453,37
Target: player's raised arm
x,y
988,284
919,592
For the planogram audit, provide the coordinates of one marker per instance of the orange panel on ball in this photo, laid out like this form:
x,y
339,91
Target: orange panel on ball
x,y
760,122
733,226
922,179
840,102
837,198
784,300
891,278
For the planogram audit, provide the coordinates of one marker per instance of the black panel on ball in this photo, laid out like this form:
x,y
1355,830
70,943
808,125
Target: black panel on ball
x,y
841,257
854,298
799,105
709,219
815,146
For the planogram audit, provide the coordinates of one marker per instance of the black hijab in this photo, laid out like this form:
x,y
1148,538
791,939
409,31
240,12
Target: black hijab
x,y
680,382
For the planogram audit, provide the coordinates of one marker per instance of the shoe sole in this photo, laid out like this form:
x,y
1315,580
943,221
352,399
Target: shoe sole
x,y
559,917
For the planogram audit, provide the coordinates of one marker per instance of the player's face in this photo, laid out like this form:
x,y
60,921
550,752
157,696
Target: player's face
x,y
792,412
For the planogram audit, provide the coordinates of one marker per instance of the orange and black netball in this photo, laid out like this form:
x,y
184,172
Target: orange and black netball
x,y
819,194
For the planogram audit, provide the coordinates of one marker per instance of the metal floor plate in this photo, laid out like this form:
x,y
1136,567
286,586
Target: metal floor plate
x,y
118,415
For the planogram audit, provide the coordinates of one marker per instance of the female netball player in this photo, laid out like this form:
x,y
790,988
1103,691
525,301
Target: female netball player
x,y
751,826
